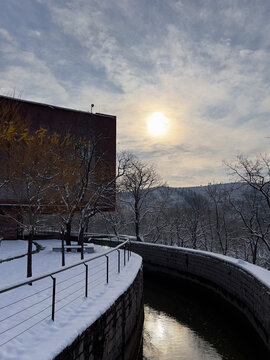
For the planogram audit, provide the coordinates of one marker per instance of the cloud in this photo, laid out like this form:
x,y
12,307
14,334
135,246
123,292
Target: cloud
x,y
204,64
29,76
5,35
35,33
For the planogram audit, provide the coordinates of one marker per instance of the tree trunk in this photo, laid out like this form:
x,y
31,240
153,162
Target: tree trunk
x,y
80,236
29,254
82,251
80,241
68,233
20,227
137,226
194,241
87,225
254,251
62,246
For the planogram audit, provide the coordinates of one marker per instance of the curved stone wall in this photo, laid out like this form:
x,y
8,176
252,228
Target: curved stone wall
x,y
114,335
237,285
219,273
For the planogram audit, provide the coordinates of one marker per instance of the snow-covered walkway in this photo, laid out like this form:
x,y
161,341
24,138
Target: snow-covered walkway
x,y
26,328
10,249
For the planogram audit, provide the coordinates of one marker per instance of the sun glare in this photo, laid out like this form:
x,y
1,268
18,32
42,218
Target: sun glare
x,y
158,124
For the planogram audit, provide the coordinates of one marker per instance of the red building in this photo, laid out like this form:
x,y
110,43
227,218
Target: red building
x,y
59,120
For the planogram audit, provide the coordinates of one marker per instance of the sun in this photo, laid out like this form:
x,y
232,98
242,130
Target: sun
x,y
158,124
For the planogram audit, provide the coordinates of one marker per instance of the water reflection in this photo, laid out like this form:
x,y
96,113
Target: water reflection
x,y
184,321
166,338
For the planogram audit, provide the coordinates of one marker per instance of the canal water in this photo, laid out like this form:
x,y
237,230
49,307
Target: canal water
x,y
184,321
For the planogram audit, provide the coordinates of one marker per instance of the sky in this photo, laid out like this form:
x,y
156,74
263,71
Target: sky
x,y
203,64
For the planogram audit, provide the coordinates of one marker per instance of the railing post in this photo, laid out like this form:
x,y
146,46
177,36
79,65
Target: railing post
x,y
128,251
86,279
119,263
107,261
125,255
53,297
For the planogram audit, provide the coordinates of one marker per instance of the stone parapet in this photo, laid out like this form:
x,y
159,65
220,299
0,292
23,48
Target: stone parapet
x,y
234,283
222,274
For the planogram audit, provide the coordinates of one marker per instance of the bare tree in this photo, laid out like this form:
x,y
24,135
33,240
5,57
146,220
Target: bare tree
x,y
254,214
115,221
177,225
119,220
99,185
70,184
155,224
219,218
256,174
139,181
193,212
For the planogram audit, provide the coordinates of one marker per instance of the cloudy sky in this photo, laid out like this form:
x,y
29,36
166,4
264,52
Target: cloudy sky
x,y
204,64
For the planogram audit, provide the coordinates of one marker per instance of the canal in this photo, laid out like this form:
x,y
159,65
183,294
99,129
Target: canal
x,y
184,321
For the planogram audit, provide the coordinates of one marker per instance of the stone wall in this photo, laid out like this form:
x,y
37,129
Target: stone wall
x,y
116,334
231,281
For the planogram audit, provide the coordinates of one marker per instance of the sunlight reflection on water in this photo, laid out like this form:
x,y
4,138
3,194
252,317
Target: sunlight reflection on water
x,y
167,339
186,321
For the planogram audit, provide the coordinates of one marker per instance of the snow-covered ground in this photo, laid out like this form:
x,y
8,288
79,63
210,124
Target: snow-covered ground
x,y
10,249
26,329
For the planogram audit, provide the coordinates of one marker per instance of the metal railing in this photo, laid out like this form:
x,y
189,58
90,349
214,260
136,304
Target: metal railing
x,y
21,312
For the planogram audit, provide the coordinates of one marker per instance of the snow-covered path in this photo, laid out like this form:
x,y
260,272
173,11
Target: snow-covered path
x,y
26,328
10,249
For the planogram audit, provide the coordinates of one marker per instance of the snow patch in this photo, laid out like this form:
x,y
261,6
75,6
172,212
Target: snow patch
x,y
13,248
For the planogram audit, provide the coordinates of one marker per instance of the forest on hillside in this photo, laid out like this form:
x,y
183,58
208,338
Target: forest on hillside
x,y
232,219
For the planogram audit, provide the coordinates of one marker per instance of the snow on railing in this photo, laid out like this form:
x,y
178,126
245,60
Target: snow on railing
x,y
41,301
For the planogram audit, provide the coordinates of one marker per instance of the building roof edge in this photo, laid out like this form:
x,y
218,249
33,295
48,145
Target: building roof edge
x,y
54,106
